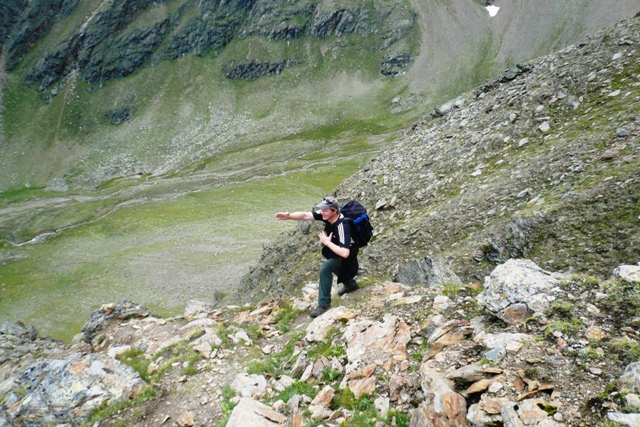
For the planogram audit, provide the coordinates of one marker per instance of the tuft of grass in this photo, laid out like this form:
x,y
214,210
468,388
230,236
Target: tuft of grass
x,y
399,419
227,406
567,328
300,388
451,289
328,375
135,358
260,367
108,409
626,348
285,316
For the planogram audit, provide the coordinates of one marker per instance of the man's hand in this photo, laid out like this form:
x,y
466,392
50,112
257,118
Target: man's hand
x,y
324,238
282,215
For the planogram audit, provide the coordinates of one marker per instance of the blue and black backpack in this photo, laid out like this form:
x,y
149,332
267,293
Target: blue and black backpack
x,y
361,229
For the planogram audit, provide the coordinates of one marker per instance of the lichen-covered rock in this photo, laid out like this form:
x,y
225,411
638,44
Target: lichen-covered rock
x,y
628,273
630,378
517,289
64,390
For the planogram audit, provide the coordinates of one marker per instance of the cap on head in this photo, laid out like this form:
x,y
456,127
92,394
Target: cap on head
x,y
328,203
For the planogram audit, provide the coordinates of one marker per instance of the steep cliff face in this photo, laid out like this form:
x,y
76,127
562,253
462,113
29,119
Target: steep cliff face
x,y
24,23
119,37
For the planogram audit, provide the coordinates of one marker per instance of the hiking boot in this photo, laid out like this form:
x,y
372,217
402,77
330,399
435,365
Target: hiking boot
x,y
348,289
321,309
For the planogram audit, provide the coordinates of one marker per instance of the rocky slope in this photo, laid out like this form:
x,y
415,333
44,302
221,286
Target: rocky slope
x,y
541,162
106,90
533,348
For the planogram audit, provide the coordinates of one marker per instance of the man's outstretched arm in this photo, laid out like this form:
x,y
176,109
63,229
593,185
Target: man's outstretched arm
x,y
298,216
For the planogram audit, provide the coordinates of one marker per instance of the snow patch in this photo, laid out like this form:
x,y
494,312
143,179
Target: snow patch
x,y
493,10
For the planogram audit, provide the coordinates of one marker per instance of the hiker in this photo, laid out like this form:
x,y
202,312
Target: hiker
x,y
337,247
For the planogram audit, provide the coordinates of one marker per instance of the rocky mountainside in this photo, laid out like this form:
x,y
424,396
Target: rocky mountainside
x,y
533,348
542,162
503,285
106,90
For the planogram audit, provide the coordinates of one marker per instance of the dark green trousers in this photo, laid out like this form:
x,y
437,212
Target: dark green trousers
x,y
328,269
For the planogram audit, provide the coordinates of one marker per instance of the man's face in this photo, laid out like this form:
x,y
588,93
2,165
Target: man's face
x,y
327,214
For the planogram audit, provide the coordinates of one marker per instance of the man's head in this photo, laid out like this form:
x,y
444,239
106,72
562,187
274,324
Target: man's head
x,y
330,208
329,203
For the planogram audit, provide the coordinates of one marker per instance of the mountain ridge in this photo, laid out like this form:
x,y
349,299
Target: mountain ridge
x,y
104,128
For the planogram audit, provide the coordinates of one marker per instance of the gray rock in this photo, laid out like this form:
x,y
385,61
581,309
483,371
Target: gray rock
x,y
63,390
249,385
628,273
445,108
195,307
18,330
394,64
496,355
100,318
631,420
630,378
518,282
428,272
511,241
251,413
254,69
120,115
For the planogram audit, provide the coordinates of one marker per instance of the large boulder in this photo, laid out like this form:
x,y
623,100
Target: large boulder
x,y
628,273
517,289
427,272
56,391
100,318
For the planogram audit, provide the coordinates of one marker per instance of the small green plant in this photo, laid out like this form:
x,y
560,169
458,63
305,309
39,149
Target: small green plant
x,y
561,308
227,406
299,387
399,419
531,372
608,423
135,358
285,317
329,375
586,354
108,409
628,349
259,367
223,333
486,362
328,349
566,328
255,331
195,334
451,289
549,409
344,399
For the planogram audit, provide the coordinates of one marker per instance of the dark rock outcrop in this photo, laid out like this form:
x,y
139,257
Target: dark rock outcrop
x,y
394,64
254,69
35,20
120,115
427,272
102,50
100,318
113,43
9,14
